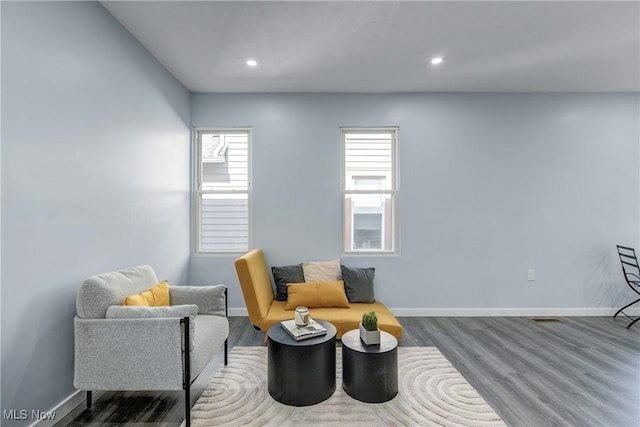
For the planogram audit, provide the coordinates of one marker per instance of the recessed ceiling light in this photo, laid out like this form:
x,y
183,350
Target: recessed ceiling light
x,y
436,60
252,62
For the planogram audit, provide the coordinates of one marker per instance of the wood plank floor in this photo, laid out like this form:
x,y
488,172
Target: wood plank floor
x,y
581,371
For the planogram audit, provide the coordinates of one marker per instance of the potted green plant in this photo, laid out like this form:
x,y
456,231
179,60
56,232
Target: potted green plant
x,y
369,332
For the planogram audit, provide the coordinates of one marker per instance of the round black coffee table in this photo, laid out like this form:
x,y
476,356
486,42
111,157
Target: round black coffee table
x,y
370,372
301,373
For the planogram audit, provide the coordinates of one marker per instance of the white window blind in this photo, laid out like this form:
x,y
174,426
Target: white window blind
x,y
223,190
369,189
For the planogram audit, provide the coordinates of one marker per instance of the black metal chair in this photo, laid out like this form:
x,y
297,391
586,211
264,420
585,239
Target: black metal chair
x,y
631,272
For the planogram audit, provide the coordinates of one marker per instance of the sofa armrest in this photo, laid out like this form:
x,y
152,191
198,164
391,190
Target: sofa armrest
x,y
128,354
133,312
209,299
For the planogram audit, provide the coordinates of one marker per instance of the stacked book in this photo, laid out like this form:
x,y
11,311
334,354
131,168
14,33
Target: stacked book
x,y
313,329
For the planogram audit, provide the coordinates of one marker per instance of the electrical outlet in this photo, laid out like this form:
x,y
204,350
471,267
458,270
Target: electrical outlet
x,y
531,275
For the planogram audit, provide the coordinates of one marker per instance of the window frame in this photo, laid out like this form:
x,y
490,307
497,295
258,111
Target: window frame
x,y
393,192
197,192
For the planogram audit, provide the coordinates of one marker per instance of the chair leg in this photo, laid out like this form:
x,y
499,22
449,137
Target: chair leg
x,y
630,324
186,373
187,406
226,351
89,399
626,306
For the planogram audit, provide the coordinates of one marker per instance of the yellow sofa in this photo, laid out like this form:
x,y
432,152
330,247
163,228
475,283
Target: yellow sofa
x,y
264,310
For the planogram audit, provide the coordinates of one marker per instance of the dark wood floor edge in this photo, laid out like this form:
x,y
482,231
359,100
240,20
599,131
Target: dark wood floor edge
x,y
74,401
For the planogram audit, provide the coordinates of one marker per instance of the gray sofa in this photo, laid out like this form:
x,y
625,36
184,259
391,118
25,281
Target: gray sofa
x,y
145,348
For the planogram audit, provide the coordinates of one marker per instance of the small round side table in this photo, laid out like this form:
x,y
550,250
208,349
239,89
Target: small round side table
x,y
370,372
301,373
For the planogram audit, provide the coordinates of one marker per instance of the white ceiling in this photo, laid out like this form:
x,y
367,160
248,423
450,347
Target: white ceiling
x,y
385,46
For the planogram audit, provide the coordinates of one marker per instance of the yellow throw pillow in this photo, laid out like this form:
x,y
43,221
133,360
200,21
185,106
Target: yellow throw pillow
x,y
154,297
316,294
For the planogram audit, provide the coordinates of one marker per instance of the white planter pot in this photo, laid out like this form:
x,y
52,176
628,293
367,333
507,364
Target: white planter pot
x,y
369,337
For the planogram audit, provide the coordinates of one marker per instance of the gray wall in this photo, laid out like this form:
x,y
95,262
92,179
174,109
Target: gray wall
x,y
95,177
490,186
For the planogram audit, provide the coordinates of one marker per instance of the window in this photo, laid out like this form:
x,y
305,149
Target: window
x,y
222,193
369,187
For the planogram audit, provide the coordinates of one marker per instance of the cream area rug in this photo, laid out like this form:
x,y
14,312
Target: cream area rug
x,y
430,392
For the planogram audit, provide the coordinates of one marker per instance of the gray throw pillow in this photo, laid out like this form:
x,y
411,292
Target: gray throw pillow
x,y
358,283
284,275
209,299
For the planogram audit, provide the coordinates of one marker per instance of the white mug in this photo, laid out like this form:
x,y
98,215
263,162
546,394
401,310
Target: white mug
x,y
302,316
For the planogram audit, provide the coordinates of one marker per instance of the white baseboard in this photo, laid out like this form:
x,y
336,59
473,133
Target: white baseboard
x,y
506,312
487,312
64,408
238,312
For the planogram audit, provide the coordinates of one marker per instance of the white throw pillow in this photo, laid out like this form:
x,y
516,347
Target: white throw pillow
x,y
322,271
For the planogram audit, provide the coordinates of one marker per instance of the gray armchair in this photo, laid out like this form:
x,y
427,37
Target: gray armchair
x,y
145,348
